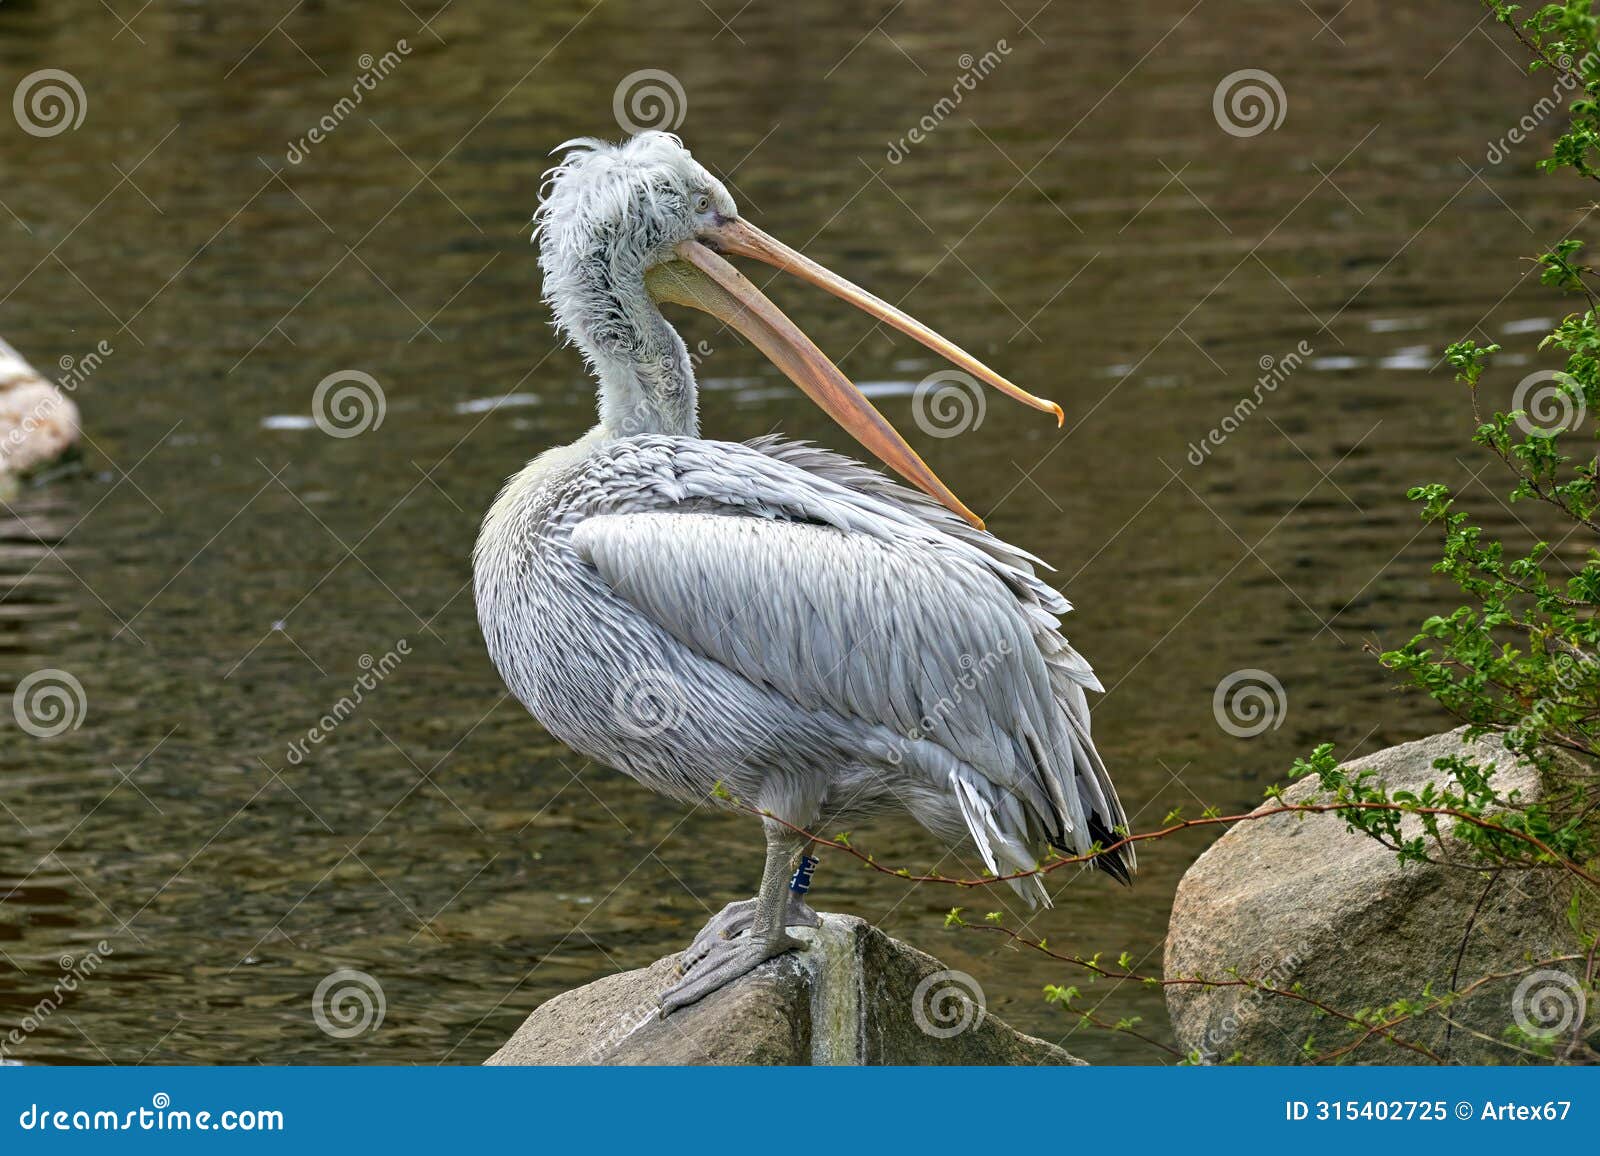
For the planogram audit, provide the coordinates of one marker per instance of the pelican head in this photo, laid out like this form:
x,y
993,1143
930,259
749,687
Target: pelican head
x,y
623,228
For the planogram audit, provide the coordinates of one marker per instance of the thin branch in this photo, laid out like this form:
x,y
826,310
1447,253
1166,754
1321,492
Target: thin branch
x,y
1558,861
1253,985
1461,952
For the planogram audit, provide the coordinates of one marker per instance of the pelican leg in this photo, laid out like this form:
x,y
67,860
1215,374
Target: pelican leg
x,y
727,959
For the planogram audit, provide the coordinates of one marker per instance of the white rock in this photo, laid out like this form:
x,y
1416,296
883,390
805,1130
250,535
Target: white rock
x,y
38,422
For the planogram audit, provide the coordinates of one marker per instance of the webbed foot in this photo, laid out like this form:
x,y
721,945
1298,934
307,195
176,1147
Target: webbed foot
x,y
724,961
735,919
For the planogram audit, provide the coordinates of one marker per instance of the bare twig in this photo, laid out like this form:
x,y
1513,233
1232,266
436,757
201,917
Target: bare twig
x,y
1556,861
1461,952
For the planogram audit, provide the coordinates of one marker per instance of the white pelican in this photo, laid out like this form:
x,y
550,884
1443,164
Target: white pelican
x,y
821,642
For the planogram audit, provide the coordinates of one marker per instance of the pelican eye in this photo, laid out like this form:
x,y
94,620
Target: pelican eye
x,y
701,202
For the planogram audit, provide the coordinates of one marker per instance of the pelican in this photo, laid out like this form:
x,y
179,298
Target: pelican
x,y
767,622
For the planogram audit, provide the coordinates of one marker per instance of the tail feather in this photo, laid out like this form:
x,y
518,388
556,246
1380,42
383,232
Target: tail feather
x,y
1002,851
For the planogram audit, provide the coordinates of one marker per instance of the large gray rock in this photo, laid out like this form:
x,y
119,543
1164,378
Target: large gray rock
x,y
1299,899
855,996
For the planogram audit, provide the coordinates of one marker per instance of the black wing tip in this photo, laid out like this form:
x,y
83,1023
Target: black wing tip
x,y
1116,864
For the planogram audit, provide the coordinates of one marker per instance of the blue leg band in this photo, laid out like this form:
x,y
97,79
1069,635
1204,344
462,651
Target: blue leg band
x,y
801,883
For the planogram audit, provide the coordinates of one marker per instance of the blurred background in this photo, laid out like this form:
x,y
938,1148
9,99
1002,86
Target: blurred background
x,y
1096,216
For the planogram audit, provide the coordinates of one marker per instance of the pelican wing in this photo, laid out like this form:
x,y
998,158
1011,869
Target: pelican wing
x,y
844,591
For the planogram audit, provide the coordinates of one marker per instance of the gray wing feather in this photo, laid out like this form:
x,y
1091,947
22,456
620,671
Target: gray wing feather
x,y
822,579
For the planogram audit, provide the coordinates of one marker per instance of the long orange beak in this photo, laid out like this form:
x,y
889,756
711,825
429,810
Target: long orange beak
x,y
745,240
703,280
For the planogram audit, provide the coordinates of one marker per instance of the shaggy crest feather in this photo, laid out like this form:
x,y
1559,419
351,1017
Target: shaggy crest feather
x,y
607,212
